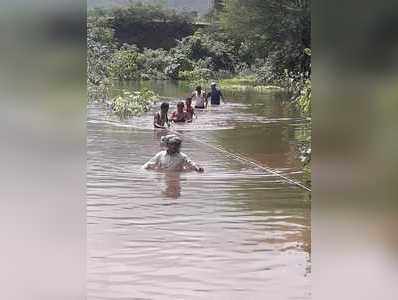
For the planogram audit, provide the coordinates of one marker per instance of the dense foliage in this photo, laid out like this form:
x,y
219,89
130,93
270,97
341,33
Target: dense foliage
x,y
266,42
277,30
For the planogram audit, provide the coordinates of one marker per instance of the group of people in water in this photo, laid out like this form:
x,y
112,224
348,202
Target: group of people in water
x,y
172,159
185,112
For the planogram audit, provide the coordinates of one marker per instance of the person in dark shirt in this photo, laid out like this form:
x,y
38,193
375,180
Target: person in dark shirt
x,y
160,120
215,95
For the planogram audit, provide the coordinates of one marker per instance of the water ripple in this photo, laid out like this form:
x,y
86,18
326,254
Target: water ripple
x,y
233,232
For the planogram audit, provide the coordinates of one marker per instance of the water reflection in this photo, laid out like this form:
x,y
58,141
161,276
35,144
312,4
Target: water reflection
x,y
158,133
172,182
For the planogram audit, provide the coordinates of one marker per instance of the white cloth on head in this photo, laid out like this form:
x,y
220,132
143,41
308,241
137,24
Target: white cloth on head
x,y
170,139
170,162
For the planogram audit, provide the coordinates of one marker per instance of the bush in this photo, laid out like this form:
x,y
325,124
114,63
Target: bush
x,y
197,74
133,103
153,64
304,99
99,52
100,91
123,65
204,48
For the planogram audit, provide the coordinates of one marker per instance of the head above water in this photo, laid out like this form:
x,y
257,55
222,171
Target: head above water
x,y
164,107
180,106
172,143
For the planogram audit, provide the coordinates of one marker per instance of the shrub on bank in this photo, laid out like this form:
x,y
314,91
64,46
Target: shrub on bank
x,y
133,103
123,65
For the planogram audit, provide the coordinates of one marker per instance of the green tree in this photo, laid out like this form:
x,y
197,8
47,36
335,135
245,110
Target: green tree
x,y
279,30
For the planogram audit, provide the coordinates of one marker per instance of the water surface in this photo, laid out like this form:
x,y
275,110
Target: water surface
x,y
235,231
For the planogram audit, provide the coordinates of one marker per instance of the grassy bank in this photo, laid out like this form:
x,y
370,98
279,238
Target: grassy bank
x,y
245,83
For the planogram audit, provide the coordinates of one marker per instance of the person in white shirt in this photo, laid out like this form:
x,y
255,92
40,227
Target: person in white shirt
x,y
172,159
200,98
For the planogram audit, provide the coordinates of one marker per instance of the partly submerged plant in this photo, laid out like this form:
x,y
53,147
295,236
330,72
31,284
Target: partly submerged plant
x,y
304,99
133,103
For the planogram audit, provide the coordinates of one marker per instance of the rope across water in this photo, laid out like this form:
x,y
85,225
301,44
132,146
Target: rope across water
x,y
241,158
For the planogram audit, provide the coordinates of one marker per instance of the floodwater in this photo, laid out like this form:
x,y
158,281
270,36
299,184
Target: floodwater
x,y
233,232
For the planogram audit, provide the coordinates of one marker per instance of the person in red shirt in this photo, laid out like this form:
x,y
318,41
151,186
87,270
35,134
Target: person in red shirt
x,y
180,115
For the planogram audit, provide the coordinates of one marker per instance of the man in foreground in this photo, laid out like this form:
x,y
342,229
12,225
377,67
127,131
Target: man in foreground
x,y
172,159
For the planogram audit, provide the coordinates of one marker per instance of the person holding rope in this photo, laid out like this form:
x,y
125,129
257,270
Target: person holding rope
x,y
172,159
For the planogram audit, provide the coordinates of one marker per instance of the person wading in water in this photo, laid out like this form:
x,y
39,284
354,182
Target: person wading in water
x,y
199,97
215,95
189,109
180,115
172,159
161,119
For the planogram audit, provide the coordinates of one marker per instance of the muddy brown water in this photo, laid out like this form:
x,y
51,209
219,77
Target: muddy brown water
x,y
234,232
